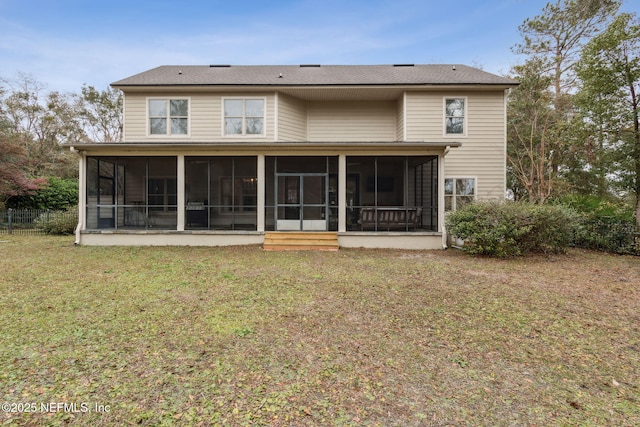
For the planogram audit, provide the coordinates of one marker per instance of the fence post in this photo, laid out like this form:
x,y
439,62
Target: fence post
x,y
9,219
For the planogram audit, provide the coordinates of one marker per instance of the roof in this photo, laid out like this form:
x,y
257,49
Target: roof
x,y
313,75
267,145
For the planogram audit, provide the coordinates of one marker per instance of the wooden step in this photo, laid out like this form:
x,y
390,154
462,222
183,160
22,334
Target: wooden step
x,y
300,241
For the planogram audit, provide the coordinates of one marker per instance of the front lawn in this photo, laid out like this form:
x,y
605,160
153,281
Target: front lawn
x,y
238,336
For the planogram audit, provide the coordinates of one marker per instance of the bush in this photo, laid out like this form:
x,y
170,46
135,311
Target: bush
x,y
608,234
606,223
512,229
59,222
58,194
597,207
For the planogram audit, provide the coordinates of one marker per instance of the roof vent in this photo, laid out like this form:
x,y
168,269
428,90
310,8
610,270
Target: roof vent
x,y
310,65
403,65
219,66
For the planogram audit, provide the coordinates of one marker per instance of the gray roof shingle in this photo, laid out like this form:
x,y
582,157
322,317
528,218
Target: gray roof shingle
x,y
313,75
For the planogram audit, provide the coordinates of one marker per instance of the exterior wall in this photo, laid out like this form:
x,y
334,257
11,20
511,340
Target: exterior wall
x,y
346,240
292,119
414,116
169,238
205,117
415,241
482,155
352,121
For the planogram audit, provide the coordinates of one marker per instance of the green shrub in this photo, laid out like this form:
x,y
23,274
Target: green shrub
x,y
512,229
597,208
58,222
605,223
58,194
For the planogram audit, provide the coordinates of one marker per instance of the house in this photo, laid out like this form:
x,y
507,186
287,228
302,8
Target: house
x,y
224,155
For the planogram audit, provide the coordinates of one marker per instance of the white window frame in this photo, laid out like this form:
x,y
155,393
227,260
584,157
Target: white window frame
x,y
465,120
244,117
167,99
454,196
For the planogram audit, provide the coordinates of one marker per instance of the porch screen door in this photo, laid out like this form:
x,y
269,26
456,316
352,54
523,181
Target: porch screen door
x,y
301,202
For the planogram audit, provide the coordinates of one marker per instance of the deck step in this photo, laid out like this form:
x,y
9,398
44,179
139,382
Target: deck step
x,y
301,241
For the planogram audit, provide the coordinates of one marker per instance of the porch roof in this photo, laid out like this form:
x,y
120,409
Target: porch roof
x,y
143,146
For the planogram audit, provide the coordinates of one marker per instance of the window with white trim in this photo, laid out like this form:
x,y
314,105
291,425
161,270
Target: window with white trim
x,y
455,116
244,116
458,192
168,116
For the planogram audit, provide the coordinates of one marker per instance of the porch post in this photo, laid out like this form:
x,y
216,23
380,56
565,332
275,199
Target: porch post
x,y
342,193
441,226
82,194
181,192
262,180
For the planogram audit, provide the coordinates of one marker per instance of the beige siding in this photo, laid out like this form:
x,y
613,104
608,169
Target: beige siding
x,y
482,154
205,118
135,111
418,115
292,119
352,121
400,115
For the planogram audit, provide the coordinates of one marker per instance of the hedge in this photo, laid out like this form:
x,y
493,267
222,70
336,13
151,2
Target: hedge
x,y
506,229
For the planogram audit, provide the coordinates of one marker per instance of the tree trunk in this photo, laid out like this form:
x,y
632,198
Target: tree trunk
x,y
636,138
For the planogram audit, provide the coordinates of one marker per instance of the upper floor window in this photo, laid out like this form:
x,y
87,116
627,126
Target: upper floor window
x,y
168,116
458,192
454,116
244,117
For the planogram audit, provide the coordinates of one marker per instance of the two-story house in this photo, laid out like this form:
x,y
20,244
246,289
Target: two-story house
x,y
374,155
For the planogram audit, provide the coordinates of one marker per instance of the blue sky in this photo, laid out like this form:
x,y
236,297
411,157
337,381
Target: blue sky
x,y
68,43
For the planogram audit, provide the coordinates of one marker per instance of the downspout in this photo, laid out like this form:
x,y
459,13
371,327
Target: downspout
x,y
81,193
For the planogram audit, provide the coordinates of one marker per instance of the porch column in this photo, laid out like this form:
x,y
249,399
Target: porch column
x,y
262,180
181,192
342,193
441,226
82,194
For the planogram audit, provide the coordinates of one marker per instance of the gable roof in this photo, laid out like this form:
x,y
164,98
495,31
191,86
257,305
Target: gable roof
x,y
313,75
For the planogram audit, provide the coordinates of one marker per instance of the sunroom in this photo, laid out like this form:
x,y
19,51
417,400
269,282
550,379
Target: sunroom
x,y
220,199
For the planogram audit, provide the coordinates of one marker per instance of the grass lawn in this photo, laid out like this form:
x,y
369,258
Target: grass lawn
x,y
237,336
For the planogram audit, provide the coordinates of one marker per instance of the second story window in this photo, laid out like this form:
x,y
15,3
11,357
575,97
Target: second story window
x,y
244,117
454,116
168,116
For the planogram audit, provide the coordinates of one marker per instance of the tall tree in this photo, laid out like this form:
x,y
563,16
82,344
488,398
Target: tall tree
x,y
14,180
553,41
529,126
34,122
609,99
101,113
41,121
557,36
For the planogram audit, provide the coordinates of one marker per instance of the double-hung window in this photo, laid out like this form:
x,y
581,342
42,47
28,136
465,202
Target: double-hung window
x,y
458,192
455,116
244,116
168,116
